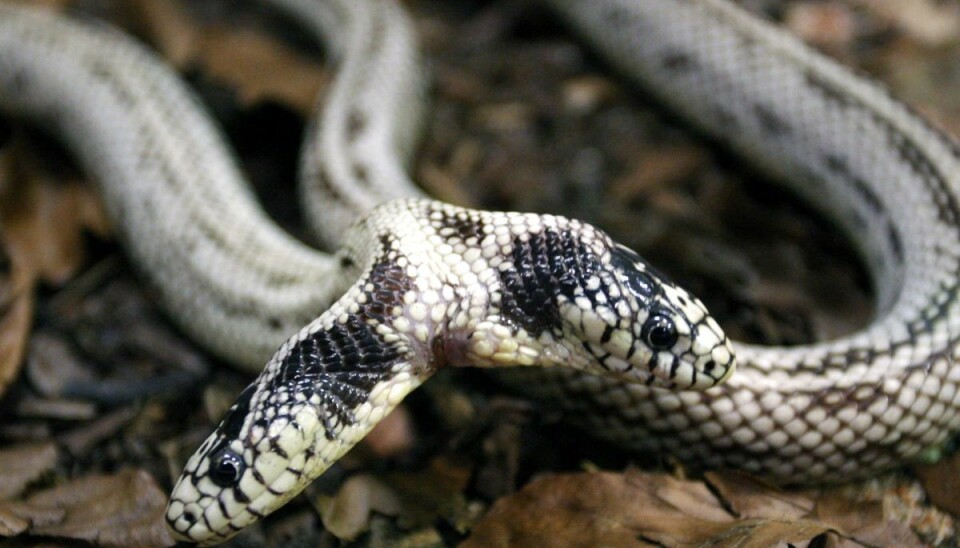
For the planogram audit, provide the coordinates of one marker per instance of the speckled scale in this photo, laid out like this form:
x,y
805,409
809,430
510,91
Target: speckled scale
x,y
340,364
239,285
543,267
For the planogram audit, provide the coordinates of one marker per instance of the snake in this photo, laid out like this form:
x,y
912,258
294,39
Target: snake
x,y
416,285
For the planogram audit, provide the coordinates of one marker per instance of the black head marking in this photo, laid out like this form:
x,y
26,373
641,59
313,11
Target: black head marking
x,y
638,281
544,267
233,421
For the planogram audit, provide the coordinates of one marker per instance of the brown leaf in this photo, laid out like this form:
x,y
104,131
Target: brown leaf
x,y
22,465
657,171
436,491
166,25
16,315
841,512
261,68
11,523
821,23
942,482
43,219
929,22
41,226
393,436
751,498
17,279
124,509
347,514
596,509
632,509
762,533
17,517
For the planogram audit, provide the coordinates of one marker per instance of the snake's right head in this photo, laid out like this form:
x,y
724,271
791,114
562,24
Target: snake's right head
x,y
586,302
638,324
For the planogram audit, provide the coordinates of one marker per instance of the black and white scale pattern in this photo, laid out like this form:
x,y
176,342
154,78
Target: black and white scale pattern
x,y
443,286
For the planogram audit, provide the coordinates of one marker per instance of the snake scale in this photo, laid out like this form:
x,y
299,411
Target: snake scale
x,y
417,285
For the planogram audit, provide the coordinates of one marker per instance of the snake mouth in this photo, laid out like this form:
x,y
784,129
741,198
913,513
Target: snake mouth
x,y
196,514
692,371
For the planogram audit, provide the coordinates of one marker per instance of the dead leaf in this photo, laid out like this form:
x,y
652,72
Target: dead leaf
x,y
657,171
44,218
821,23
41,237
347,515
436,491
53,364
592,509
635,509
166,25
942,482
23,464
11,524
393,436
929,22
16,290
261,68
17,517
16,315
586,93
124,509
258,66
762,533
752,498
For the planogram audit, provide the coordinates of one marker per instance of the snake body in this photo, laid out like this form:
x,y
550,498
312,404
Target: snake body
x,y
417,285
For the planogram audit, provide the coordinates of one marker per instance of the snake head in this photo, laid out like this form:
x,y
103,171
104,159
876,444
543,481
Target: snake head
x,y
595,305
207,503
250,466
638,324
322,391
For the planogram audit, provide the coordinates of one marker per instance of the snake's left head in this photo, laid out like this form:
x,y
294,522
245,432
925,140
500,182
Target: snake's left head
x,y
637,325
241,473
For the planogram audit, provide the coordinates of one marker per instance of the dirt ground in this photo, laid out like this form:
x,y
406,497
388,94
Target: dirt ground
x,y
103,399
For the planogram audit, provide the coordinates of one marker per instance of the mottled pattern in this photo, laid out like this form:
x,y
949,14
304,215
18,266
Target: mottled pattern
x,y
836,409
435,296
542,268
418,285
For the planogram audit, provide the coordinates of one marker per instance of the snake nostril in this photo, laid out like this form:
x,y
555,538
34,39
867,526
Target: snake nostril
x,y
708,367
188,516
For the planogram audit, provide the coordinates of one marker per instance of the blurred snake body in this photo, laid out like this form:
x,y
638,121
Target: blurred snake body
x,y
417,285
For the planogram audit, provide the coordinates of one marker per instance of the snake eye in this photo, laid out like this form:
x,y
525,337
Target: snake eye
x,y
659,332
226,467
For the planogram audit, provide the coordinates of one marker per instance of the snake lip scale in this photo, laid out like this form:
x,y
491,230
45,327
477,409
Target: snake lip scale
x,y
416,284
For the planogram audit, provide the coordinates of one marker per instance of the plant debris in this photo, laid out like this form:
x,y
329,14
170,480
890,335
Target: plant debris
x,y
523,117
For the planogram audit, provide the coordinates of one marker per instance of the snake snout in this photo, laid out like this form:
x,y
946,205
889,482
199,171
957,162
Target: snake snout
x,y
701,355
660,335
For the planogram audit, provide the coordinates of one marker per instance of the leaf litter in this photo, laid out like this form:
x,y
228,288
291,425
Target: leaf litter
x,y
522,118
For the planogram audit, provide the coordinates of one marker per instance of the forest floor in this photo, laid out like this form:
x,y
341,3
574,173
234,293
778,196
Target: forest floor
x,y
103,399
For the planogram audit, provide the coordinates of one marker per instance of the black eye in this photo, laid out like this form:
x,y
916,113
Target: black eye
x,y
659,332
226,467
